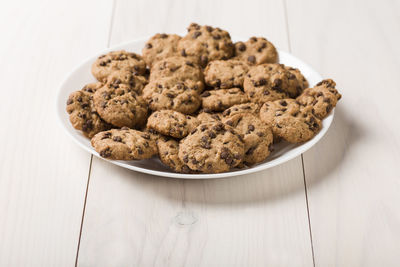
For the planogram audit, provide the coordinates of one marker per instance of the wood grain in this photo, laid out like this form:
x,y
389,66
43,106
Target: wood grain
x,y
141,220
43,174
352,174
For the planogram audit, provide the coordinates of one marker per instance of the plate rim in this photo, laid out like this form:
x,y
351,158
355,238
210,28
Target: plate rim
x,y
262,166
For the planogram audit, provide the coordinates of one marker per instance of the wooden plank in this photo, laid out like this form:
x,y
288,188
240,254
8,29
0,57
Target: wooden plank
x,y
141,220
43,174
352,174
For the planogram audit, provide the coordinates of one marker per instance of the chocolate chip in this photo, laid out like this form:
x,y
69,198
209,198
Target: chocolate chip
x,y
224,153
189,63
87,126
212,135
163,35
252,59
117,139
105,153
261,82
170,95
251,150
209,29
260,134
183,53
327,100
205,94
103,64
186,159
193,131
227,112
251,128
218,127
203,128
217,37
242,47
196,34
328,108
204,60
283,103
145,136
148,46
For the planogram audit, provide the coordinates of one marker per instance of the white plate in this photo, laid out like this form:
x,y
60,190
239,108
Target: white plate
x,y
282,153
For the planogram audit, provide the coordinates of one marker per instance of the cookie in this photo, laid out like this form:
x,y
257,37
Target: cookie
x,y
323,98
225,73
257,50
212,148
135,82
117,60
209,117
251,108
124,144
120,106
170,93
206,43
159,47
168,150
179,68
82,114
219,100
290,121
257,136
269,82
172,123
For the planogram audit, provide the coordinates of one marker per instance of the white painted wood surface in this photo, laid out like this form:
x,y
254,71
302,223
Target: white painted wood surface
x,y
353,176
43,174
131,219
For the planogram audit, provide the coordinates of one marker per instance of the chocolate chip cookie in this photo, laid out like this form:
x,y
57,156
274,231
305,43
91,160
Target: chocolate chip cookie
x,y
219,100
251,108
256,134
269,82
168,150
120,106
206,43
323,98
179,68
135,82
172,123
82,114
257,50
159,47
225,73
212,148
124,144
117,60
290,120
170,93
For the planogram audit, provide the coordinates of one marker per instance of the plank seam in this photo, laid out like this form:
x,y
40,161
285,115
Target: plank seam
x,y
302,158
91,157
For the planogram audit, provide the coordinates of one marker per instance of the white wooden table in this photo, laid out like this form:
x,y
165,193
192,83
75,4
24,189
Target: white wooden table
x,y
336,205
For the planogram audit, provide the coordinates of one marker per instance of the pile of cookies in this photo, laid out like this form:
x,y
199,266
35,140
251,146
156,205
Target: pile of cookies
x,y
200,102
